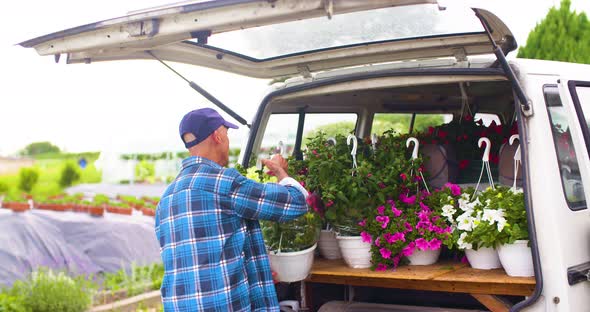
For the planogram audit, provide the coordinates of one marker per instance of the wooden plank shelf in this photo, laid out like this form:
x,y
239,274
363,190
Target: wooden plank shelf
x,y
451,277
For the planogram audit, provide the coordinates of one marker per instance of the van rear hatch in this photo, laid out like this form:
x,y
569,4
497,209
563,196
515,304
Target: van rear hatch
x,y
276,38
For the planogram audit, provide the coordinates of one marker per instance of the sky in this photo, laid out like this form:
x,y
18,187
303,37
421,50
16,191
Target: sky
x,y
134,106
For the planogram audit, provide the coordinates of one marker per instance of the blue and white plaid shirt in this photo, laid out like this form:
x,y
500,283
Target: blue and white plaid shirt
x,y
210,239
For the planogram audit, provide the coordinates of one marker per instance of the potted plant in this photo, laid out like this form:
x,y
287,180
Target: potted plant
x,y
504,224
16,203
291,244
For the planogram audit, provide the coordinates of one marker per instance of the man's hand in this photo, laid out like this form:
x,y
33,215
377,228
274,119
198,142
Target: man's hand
x,y
277,165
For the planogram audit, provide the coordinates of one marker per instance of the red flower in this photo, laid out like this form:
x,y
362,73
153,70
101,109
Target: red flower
x,y
442,134
430,130
382,185
463,164
403,176
369,175
494,158
468,117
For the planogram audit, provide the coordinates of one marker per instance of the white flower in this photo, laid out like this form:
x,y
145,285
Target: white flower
x,y
448,212
467,205
516,191
493,215
488,202
501,224
461,242
465,221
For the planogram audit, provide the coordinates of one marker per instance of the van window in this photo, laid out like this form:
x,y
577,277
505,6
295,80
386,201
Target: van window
x,y
566,155
283,128
401,122
583,94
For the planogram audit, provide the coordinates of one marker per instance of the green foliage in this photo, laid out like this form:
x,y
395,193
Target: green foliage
x,y
562,35
4,187
296,235
28,177
12,303
101,199
69,174
39,148
46,290
145,170
137,280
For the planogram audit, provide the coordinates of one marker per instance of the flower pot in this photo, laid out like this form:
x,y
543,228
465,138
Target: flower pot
x,y
124,211
328,245
355,252
96,211
516,258
484,258
424,257
148,212
292,266
17,207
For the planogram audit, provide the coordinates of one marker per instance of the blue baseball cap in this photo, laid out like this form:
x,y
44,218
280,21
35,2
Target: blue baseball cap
x,y
201,123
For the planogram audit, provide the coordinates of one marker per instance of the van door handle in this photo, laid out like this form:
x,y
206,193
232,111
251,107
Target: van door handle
x,y
578,273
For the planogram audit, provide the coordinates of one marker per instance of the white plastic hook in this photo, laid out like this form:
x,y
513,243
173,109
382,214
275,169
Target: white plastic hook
x,y
333,140
354,143
511,141
281,148
354,147
416,146
374,141
486,153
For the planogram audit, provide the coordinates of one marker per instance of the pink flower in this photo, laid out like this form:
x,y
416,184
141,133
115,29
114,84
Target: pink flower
x,y
409,250
329,204
423,225
407,200
424,207
363,223
382,185
409,227
384,220
422,244
385,253
366,237
378,242
417,178
302,183
435,244
403,176
396,260
381,267
369,175
464,260
315,152
381,210
396,212
424,216
399,236
455,189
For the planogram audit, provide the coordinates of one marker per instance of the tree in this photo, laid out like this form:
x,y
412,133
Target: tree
x,y
69,174
562,35
37,148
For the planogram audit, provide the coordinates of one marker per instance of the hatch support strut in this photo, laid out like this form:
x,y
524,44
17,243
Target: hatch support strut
x,y
204,93
525,103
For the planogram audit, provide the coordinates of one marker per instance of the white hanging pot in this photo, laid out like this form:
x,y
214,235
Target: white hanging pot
x,y
292,266
328,245
355,252
424,257
516,258
484,258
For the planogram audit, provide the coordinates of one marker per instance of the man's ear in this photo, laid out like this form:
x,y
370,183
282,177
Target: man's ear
x,y
217,136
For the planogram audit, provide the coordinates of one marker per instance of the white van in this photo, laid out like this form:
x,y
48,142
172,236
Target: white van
x,y
351,60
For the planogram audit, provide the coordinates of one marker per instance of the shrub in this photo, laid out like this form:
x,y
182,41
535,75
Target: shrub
x,y
12,303
28,177
69,175
3,188
144,170
46,290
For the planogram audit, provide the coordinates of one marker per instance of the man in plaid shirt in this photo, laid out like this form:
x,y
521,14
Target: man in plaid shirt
x,y
207,224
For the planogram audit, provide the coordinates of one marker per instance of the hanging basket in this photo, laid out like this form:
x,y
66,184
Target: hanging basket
x,y
355,252
328,245
424,257
292,266
484,258
516,258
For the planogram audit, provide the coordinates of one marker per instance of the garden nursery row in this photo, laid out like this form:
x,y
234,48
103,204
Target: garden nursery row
x,y
95,206
397,199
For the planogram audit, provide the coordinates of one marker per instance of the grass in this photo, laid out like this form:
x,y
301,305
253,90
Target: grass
x,y
49,174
